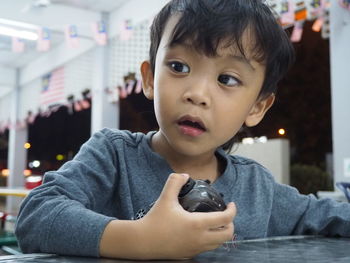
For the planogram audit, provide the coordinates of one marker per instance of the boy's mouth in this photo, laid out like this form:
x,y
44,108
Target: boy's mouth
x,y
191,126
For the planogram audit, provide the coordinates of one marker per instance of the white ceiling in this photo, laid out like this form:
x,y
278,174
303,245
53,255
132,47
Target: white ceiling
x,y
53,14
93,5
29,11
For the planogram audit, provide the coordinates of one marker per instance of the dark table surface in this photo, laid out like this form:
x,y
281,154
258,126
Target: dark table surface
x,y
280,249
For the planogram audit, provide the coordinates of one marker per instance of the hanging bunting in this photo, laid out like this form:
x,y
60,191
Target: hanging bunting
x,y
126,30
113,94
297,31
3,126
130,86
138,87
275,7
325,26
345,4
317,25
85,104
300,10
17,45
315,9
129,82
77,106
20,125
287,16
44,39
287,11
71,35
122,92
99,32
31,117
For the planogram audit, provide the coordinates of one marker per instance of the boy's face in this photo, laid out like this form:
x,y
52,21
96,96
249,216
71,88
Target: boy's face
x,y
201,102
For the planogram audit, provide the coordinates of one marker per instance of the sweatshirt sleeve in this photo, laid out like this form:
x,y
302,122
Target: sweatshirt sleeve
x,y
63,215
297,214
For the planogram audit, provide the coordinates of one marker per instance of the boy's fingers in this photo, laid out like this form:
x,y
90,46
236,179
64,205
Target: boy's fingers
x,y
219,237
173,186
214,220
232,208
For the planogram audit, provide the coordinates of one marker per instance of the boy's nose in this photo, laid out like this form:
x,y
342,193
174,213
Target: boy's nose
x,y
198,95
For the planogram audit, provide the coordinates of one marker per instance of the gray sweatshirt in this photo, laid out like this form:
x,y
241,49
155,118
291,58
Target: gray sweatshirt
x,y
116,173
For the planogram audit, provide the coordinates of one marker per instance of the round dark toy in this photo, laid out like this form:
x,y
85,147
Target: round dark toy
x,y
196,196
200,196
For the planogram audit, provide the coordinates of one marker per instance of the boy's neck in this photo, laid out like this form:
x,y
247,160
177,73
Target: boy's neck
x,y
205,167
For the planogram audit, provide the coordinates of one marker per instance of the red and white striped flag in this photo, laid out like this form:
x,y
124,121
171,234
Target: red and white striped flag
x,y
17,45
53,88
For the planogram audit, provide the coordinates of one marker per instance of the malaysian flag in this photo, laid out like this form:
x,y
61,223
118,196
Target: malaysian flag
x,y
345,4
71,34
99,32
53,88
297,32
44,39
17,45
287,12
126,30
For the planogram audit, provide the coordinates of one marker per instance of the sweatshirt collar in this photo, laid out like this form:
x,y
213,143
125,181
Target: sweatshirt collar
x,y
163,169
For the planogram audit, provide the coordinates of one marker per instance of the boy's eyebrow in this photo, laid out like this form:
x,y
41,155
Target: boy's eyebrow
x,y
243,60
240,58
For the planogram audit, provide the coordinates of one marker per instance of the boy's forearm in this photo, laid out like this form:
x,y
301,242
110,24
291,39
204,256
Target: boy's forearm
x,y
121,239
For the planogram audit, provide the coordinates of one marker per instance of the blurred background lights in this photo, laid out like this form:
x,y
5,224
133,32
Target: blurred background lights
x,y
262,139
5,172
281,131
27,172
248,140
27,145
59,157
36,164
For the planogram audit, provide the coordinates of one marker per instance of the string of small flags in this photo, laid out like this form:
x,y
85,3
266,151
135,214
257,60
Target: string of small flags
x,y
131,85
345,4
294,13
73,105
72,36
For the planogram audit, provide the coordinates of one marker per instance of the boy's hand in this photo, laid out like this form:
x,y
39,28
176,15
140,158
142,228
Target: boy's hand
x,y
170,232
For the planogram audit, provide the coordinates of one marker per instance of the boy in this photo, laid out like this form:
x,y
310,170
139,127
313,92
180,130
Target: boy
x,y
214,66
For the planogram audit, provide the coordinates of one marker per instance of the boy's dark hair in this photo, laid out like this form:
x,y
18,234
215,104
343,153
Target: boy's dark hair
x,y
205,23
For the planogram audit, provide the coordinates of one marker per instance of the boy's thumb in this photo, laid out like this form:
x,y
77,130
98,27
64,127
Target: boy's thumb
x,y
173,186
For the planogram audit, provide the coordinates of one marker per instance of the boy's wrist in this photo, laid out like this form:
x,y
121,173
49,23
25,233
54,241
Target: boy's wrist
x,y
124,239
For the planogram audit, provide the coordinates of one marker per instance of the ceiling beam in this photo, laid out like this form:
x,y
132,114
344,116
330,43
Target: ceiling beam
x,y
8,76
52,16
7,80
53,59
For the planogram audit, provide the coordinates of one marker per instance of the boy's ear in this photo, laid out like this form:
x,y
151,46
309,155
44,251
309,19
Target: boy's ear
x,y
147,79
259,109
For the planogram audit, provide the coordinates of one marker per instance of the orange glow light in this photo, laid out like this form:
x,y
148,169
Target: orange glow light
x,y
27,145
5,172
281,131
27,172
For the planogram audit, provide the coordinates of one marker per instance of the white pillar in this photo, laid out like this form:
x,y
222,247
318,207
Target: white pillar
x,y
103,113
340,89
17,156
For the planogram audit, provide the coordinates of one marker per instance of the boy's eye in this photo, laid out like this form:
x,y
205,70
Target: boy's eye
x,y
228,80
179,67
